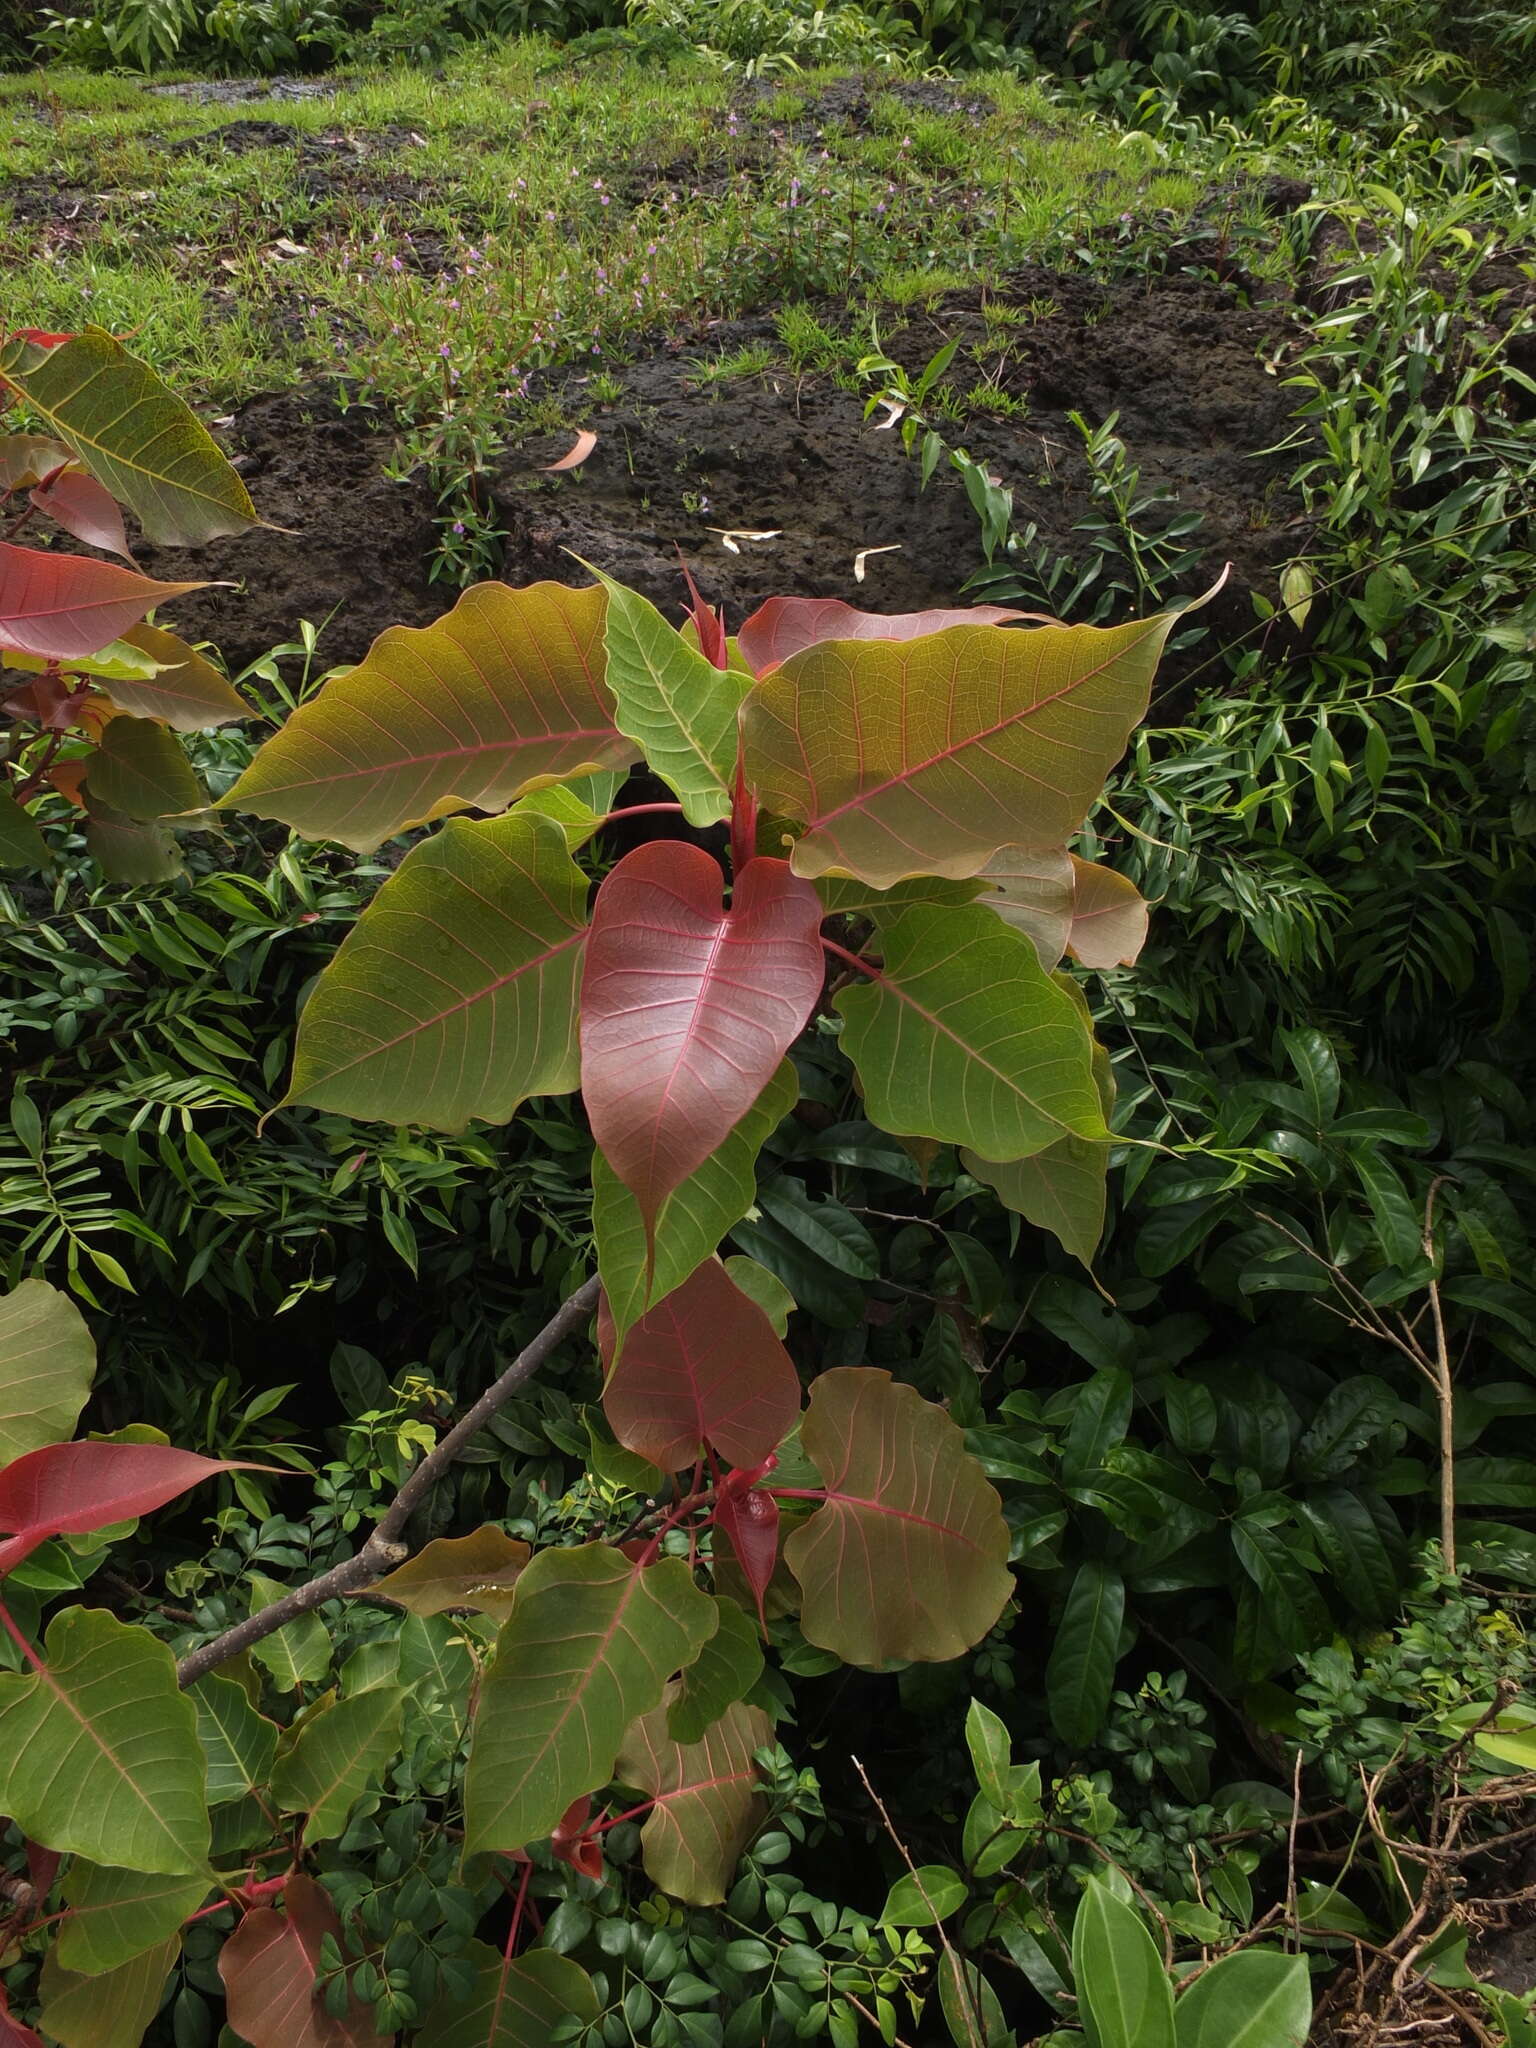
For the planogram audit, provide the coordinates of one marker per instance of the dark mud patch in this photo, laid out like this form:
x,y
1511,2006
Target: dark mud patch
x,y
357,551
686,462
43,202
851,103
234,92
683,463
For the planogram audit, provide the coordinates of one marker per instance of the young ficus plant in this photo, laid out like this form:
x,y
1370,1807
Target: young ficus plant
x,y
897,794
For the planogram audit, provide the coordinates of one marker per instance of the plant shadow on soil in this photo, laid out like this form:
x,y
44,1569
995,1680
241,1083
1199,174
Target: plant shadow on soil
x,y
685,458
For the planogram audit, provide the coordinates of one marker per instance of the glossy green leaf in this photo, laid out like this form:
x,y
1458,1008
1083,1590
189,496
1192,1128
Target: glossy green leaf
x,y
678,708
110,2011
133,435
589,1647
115,1915
1123,1993
923,1897
140,770
99,1754
1255,1999
971,2008
1080,1674
907,1556
693,1218
928,756
504,693
337,1753
707,1799
47,1362
513,2002
965,1038
725,1670
238,1743
454,995
991,1752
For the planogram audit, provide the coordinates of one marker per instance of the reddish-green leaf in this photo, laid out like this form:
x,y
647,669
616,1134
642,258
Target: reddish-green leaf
x,y
708,1799
514,2002
504,693
75,501
110,2011
140,771
478,1571
693,1218
269,1966
702,1366
1109,917
99,1753
687,1008
908,1555
187,692
965,1038
61,605
454,995
27,459
788,625
133,434
929,756
70,1489
14,2035
592,1640
47,1361
1067,905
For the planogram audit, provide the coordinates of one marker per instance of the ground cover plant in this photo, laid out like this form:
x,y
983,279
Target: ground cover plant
x,y
1238,1692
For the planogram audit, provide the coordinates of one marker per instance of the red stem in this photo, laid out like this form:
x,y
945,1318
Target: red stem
x,y
517,1911
19,1639
841,953
636,811
613,1820
796,1492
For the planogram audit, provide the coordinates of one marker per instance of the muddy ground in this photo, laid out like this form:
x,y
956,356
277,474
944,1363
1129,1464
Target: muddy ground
x,y
684,460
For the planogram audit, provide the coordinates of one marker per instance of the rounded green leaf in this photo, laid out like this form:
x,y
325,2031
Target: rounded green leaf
x,y
47,1361
115,1915
1255,1999
1122,1987
335,1756
140,770
924,1897
514,2002
727,1668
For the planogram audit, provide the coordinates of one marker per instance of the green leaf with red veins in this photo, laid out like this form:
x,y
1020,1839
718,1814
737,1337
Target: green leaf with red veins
x,y
929,756
965,1038
591,1642
788,625
708,1799
504,693
687,1007
186,691
66,605
454,995
693,1218
702,1366
133,434
140,771
908,1555
514,2002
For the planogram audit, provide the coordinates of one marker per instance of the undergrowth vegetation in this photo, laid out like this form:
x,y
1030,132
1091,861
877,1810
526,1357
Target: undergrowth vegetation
x,y
1250,1730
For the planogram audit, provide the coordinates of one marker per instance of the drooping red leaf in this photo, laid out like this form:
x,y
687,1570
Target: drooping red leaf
x,y
37,337
749,1522
702,1366
709,624
571,1843
14,2035
786,625
42,1869
73,499
269,1966
49,702
70,1489
687,1008
64,606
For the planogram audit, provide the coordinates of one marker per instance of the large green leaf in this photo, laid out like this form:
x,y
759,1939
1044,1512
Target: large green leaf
x,y
504,693
708,1799
239,1744
908,1555
140,770
99,1754
678,708
133,435
110,2011
22,845
514,2001
130,850
1256,1999
298,1653
1123,1995
693,1218
928,756
186,691
335,1755
725,1670
47,1361
1080,1674
591,1642
454,994
115,1915
964,1037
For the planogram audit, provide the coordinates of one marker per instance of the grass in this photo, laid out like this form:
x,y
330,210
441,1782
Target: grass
x,y
433,239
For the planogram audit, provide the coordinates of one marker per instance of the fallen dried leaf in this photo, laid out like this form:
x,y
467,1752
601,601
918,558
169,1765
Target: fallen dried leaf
x,y
585,442
893,548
